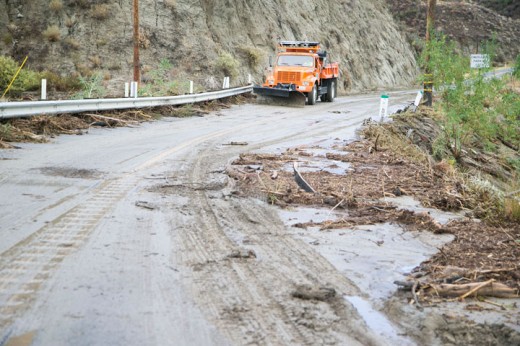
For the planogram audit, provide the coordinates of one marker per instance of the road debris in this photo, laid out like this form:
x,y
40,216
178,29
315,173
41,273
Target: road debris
x,y
320,293
146,205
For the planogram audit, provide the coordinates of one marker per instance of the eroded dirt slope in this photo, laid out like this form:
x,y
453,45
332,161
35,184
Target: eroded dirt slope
x,y
192,35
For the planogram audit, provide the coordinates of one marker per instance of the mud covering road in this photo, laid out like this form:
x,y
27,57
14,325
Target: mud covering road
x,y
134,236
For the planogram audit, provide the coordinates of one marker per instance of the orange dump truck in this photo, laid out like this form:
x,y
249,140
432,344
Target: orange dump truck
x,y
300,72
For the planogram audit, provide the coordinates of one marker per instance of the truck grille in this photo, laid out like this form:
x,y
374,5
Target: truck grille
x,y
288,77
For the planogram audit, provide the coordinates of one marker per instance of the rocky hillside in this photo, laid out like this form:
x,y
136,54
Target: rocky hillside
x,y
470,23
206,39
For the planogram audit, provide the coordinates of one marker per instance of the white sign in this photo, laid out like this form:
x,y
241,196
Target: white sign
x,y
479,60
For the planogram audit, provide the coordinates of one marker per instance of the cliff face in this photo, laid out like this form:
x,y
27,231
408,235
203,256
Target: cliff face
x,y
79,36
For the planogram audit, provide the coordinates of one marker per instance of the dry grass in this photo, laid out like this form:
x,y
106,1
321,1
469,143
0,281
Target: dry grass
x,y
52,33
70,22
100,12
170,3
72,43
95,61
252,55
56,6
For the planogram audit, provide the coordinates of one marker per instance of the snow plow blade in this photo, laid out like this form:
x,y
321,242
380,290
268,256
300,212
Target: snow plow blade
x,y
279,97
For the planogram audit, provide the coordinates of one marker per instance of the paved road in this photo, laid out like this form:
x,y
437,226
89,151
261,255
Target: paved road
x,y
128,236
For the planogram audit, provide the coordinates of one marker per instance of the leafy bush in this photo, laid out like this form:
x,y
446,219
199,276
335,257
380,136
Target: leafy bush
x,y
478,111
27,80
52,33
228,64
91,86
160,81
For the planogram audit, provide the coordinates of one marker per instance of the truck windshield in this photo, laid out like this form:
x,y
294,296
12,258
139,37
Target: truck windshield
x,y
295,60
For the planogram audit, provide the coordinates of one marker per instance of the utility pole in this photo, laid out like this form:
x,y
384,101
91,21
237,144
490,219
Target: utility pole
x,y
428,77
137,75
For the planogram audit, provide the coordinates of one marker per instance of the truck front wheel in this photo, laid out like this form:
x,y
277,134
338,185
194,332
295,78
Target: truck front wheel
x,y
312,96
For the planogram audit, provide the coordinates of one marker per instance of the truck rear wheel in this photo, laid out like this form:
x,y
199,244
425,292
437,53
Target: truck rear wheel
x,y
331,91
312,97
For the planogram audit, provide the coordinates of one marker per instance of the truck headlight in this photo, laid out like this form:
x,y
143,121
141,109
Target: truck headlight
x,y
306,83
270,81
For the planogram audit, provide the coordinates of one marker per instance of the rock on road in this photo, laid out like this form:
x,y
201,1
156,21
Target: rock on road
x,y
131,236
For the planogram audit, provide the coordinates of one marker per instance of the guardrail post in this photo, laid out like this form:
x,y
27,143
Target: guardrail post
x,y
127,90
44,90
191,87
249,78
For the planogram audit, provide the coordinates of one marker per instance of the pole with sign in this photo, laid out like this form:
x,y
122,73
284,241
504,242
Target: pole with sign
x,y
383,111
479,61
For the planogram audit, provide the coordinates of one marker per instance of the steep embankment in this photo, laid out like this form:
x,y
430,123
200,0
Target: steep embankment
x,y
82,36
470,24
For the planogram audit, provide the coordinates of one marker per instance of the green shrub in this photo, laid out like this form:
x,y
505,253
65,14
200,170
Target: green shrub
x,y
478,111
27,80
227,64
160,81
92,87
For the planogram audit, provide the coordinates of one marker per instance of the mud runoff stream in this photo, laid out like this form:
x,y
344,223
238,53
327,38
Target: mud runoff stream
x,y
372,256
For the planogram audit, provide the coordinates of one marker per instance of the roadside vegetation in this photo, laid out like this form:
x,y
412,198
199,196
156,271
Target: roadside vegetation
x,y
479,121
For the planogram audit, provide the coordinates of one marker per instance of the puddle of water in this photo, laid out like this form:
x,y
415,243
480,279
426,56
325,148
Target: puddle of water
x,y
371,256
305,214
317,165
378,322
374,256
409,203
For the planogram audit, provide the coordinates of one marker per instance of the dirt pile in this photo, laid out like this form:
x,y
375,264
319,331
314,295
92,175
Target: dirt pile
x,y
467,23
205,40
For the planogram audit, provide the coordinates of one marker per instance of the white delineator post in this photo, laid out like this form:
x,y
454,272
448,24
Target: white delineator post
x,y
191,87
44,90
133,89
249,79
127,90
418,99
383,112
225,85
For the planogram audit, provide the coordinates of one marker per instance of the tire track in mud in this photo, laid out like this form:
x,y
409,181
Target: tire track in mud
x,y
249,298
26,266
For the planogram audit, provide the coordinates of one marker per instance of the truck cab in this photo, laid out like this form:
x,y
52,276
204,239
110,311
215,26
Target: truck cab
x,y
301,67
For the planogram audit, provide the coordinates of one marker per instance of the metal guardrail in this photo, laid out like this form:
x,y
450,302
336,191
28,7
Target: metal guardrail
x,y
31,108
